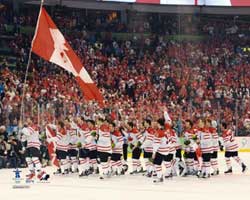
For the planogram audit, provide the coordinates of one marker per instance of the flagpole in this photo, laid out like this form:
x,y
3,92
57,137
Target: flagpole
x,y
28,65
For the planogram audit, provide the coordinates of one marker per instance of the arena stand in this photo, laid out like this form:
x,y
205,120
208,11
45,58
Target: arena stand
x,y
137,75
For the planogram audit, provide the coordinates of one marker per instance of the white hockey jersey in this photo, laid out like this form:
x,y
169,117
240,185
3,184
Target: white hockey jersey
x,y
229,140
215,139
117,140
31,135
148,140
62,139
205,138
161,143
104,140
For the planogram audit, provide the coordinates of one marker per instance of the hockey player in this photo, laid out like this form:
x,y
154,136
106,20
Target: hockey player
x,y
204,140
168,162
73,151
177,162
160,149
117,143
62,146
91,146
231,148
215,146
84,138
135,142
147,146
30,134
190,148
104,147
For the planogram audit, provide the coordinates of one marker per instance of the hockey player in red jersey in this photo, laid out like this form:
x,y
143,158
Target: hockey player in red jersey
x,y
231,148
30,133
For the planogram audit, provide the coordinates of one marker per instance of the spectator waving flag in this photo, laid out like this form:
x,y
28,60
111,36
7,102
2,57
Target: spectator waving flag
x,y
50,44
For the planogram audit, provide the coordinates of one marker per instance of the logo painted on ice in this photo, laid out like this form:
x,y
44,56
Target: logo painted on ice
x,y
17,177
18,180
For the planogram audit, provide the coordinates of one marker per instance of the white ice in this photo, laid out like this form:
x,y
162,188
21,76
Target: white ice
x,y
130,187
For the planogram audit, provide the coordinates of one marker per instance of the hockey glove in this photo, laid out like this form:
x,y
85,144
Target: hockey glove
x,y
187,142
79,144
139,144
93,133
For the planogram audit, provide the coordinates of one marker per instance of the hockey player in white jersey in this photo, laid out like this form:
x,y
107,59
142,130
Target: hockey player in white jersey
x,y
84,138
30,134
73,151
147,146
190,147
215,144
231,148
135,142
204,140
117,144
104,149
62,139
92,146
160,149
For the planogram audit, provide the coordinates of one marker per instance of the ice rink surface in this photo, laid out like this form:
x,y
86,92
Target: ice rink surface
x,y
130,187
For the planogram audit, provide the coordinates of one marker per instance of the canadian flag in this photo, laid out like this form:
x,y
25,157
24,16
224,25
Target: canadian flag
x,y
50,133
50,44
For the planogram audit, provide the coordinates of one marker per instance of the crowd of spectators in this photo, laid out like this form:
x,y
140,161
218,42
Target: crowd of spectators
x,y
136,76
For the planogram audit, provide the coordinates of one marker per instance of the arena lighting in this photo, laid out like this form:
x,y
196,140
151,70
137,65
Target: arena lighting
x,y
246,49
190,2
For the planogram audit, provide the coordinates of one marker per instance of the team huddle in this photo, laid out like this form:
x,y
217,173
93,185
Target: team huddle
x,y
101,147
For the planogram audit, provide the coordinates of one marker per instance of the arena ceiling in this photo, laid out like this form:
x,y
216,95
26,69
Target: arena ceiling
x,y
97,5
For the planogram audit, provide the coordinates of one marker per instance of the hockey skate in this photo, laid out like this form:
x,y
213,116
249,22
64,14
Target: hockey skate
x,y
96,171
215,173
148,174
199,174
30,177
158,180
57,172
244,167
229,171
133,172
181,171
125,167
83,174
169,176
206,175
42,176
104,176
141,170
66,171
123,172
154,174
73,171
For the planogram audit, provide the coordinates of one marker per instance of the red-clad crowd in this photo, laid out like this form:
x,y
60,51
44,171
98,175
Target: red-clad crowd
x,y
137,76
